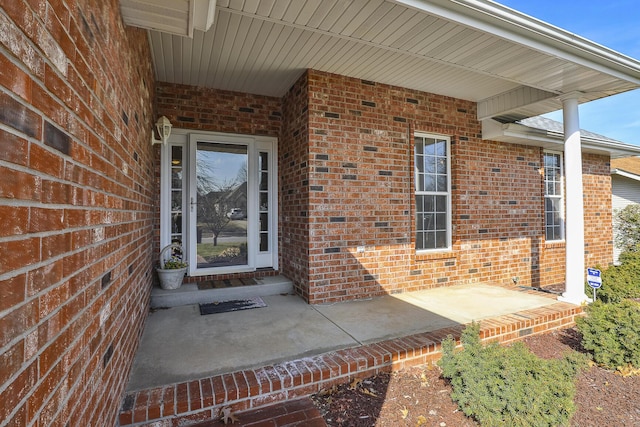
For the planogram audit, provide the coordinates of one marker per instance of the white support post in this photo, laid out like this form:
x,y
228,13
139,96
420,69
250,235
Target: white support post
x,y
574,203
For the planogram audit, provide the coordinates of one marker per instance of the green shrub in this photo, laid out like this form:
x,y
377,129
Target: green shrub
x,y
621,281
612,333
510,386
627,225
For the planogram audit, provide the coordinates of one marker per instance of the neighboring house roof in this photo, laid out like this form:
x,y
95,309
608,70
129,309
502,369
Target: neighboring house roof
x,y
547,133
514,66
629,167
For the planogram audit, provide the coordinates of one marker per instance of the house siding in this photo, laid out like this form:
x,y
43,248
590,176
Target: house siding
x,y
76,204
361,204
625,192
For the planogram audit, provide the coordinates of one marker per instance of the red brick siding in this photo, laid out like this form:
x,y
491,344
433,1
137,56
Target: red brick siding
x,y
596,180
190,107
293,149
77,209
360,178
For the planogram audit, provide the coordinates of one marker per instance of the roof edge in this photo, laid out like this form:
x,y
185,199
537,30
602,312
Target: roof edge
x,y
511,24
625,174
517,133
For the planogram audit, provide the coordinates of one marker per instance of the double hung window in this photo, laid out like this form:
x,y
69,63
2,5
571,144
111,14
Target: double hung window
x,y
553,196
432,192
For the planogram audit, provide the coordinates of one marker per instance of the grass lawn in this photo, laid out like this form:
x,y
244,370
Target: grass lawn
x,y
208,251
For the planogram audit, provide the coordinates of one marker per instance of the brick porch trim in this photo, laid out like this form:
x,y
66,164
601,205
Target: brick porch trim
x,y
202,399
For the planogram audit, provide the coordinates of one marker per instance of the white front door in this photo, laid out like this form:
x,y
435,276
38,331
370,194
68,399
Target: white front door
x,y
227,190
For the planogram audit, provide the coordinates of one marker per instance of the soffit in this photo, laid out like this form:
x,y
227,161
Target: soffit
x,y
445,47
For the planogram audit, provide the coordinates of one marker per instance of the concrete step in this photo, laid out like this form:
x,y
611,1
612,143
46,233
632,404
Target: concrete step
x,y
189,293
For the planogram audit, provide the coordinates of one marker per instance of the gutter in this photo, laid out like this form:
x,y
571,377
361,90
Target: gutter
x,y
516,133
620,172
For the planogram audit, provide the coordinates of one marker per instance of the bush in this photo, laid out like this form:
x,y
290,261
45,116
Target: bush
x,y
627,225
622,281
510,386
612,333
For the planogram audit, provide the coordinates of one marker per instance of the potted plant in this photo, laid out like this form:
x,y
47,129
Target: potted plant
x,y
171,270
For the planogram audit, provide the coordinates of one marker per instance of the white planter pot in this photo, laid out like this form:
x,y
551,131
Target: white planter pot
x,y
171,279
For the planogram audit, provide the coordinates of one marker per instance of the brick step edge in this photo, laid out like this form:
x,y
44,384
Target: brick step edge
x,y
203,399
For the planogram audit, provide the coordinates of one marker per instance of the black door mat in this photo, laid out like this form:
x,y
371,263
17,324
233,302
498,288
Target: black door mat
x,y
225,283
231,305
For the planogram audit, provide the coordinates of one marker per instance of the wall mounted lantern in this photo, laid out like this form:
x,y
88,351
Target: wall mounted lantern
x,y
163,126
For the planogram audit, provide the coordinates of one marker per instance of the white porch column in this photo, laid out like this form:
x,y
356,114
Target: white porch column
x,y
574,203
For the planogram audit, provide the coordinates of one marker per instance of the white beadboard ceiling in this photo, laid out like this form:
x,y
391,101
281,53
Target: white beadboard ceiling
x,y
471,49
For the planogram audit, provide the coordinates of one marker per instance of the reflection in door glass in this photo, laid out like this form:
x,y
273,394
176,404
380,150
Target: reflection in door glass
x,y
221,179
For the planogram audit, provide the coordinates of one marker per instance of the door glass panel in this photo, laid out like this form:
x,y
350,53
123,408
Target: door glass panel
x,y
263,167
221,214
177,181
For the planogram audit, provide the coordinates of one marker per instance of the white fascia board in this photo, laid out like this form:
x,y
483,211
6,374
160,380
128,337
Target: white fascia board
x,y
622,173
507,23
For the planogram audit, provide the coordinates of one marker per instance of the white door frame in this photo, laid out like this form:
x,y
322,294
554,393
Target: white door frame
x,y
255,144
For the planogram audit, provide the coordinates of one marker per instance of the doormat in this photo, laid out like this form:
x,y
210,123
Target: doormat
x,y
225,283
231,305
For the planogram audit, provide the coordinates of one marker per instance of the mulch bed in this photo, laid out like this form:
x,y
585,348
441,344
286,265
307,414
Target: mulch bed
x,y
420,397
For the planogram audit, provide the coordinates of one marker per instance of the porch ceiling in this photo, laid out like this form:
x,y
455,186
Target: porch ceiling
x,y
471,49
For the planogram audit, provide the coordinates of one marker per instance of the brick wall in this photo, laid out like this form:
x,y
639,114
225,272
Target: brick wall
x,y
293,167
596,177
359,172
190,107
76,204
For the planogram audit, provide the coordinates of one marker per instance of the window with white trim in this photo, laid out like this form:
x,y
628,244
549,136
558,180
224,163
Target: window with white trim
x,y
553,196
432,192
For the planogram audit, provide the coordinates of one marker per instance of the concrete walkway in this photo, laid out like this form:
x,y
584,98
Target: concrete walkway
x,y
178,344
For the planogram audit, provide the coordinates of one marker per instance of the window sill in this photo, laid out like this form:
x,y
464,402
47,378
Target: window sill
x,y
555,244
436,255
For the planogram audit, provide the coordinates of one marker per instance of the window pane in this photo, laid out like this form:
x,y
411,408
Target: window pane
x,y
429,221
429,203
420,221
441,203
441,183
264,242
429,148
430,165
264,181
264,222
441,148
429,183
441,239
420,164
264,201
430,240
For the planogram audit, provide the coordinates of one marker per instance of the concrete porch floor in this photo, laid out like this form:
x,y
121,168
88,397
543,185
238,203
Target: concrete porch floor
x,y
190,366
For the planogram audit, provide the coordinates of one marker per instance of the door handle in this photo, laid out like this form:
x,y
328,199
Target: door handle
x,y
192,204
